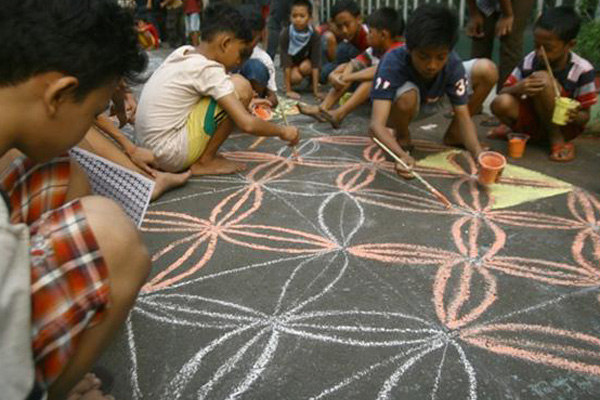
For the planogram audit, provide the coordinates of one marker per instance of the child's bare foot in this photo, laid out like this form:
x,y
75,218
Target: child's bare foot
x,y
293,95
218,165
311,111
166,181
87,383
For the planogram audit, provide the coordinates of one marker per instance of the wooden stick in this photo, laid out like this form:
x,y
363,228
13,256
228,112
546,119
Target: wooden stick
x,y
433,190
257,142
550,72
295,154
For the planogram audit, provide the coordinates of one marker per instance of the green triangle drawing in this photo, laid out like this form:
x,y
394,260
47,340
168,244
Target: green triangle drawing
x,y
506,195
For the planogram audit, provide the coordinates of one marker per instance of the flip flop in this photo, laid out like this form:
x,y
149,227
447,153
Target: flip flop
x,y
563,152
500,132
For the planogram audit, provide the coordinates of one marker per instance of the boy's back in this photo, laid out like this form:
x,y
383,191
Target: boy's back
x,y
172,91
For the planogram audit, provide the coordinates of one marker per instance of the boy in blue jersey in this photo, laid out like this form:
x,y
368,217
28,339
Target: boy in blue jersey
x,y
412,80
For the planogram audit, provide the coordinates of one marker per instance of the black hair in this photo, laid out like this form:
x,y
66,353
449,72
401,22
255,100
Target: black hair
x,y
220,17
387,19
345,5
93,40
254,20
431,26
303,3
563,21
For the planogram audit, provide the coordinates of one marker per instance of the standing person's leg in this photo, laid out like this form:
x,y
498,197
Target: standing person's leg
x,y
279,15
181,36
511,45
483,47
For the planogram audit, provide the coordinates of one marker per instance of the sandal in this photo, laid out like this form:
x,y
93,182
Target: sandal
x,y
562,152
500,132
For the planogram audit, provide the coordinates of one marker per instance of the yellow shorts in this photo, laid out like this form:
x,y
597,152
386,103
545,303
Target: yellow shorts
x,y
201,125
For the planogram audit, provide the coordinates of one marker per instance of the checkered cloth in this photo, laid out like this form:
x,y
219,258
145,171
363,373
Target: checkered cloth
x,y
69,278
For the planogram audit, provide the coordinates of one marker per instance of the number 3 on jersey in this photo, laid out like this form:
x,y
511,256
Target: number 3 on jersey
x,y
461,87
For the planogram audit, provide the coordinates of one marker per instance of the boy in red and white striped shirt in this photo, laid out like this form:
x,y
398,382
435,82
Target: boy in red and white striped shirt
x,y
526,103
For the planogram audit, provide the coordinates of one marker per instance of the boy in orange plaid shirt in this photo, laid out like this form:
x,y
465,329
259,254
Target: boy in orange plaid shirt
x,y
66,282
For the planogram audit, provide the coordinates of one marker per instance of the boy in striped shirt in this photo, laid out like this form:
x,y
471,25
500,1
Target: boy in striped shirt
x,y
526,103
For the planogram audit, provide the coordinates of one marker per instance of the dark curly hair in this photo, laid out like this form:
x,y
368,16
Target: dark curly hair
x,y
221,17
92,40
431,26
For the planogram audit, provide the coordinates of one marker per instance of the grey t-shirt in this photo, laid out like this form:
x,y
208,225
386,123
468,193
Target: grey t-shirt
x,y
16,358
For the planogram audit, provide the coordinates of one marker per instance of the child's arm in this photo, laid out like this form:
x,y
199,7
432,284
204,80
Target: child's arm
x,y
248,123
287,81
315,83
467,130
272,97
140,156
530,86
378,128
315,61
367,74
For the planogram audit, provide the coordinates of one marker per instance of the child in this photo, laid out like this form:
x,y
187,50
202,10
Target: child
x,y
147,35
192,10
526,103
348,20
412,80
69,261
188,107
300,49
250,70
330,36
385,28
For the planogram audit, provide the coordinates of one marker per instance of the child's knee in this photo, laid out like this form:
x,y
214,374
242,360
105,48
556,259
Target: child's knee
x,y
485,70
243,88
305,67
121,246
503,104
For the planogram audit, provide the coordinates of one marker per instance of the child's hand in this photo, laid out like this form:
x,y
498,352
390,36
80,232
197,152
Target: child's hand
x,y
337,81
290,134
143,159
573,114
403,172
475,25
532,86
293,95
504,26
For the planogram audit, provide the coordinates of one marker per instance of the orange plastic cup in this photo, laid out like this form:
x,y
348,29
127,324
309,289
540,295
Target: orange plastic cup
x,y
516,144
491,165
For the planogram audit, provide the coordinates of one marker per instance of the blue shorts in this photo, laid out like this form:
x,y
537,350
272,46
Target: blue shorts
x,y
192,23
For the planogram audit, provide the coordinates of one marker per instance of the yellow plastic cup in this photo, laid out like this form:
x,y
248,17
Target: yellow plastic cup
x,y
561,108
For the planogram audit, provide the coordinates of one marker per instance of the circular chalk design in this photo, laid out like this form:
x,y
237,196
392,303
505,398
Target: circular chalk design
x,y
335,279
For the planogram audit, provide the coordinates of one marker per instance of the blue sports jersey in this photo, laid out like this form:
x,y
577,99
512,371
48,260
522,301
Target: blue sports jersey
x,y
396,69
